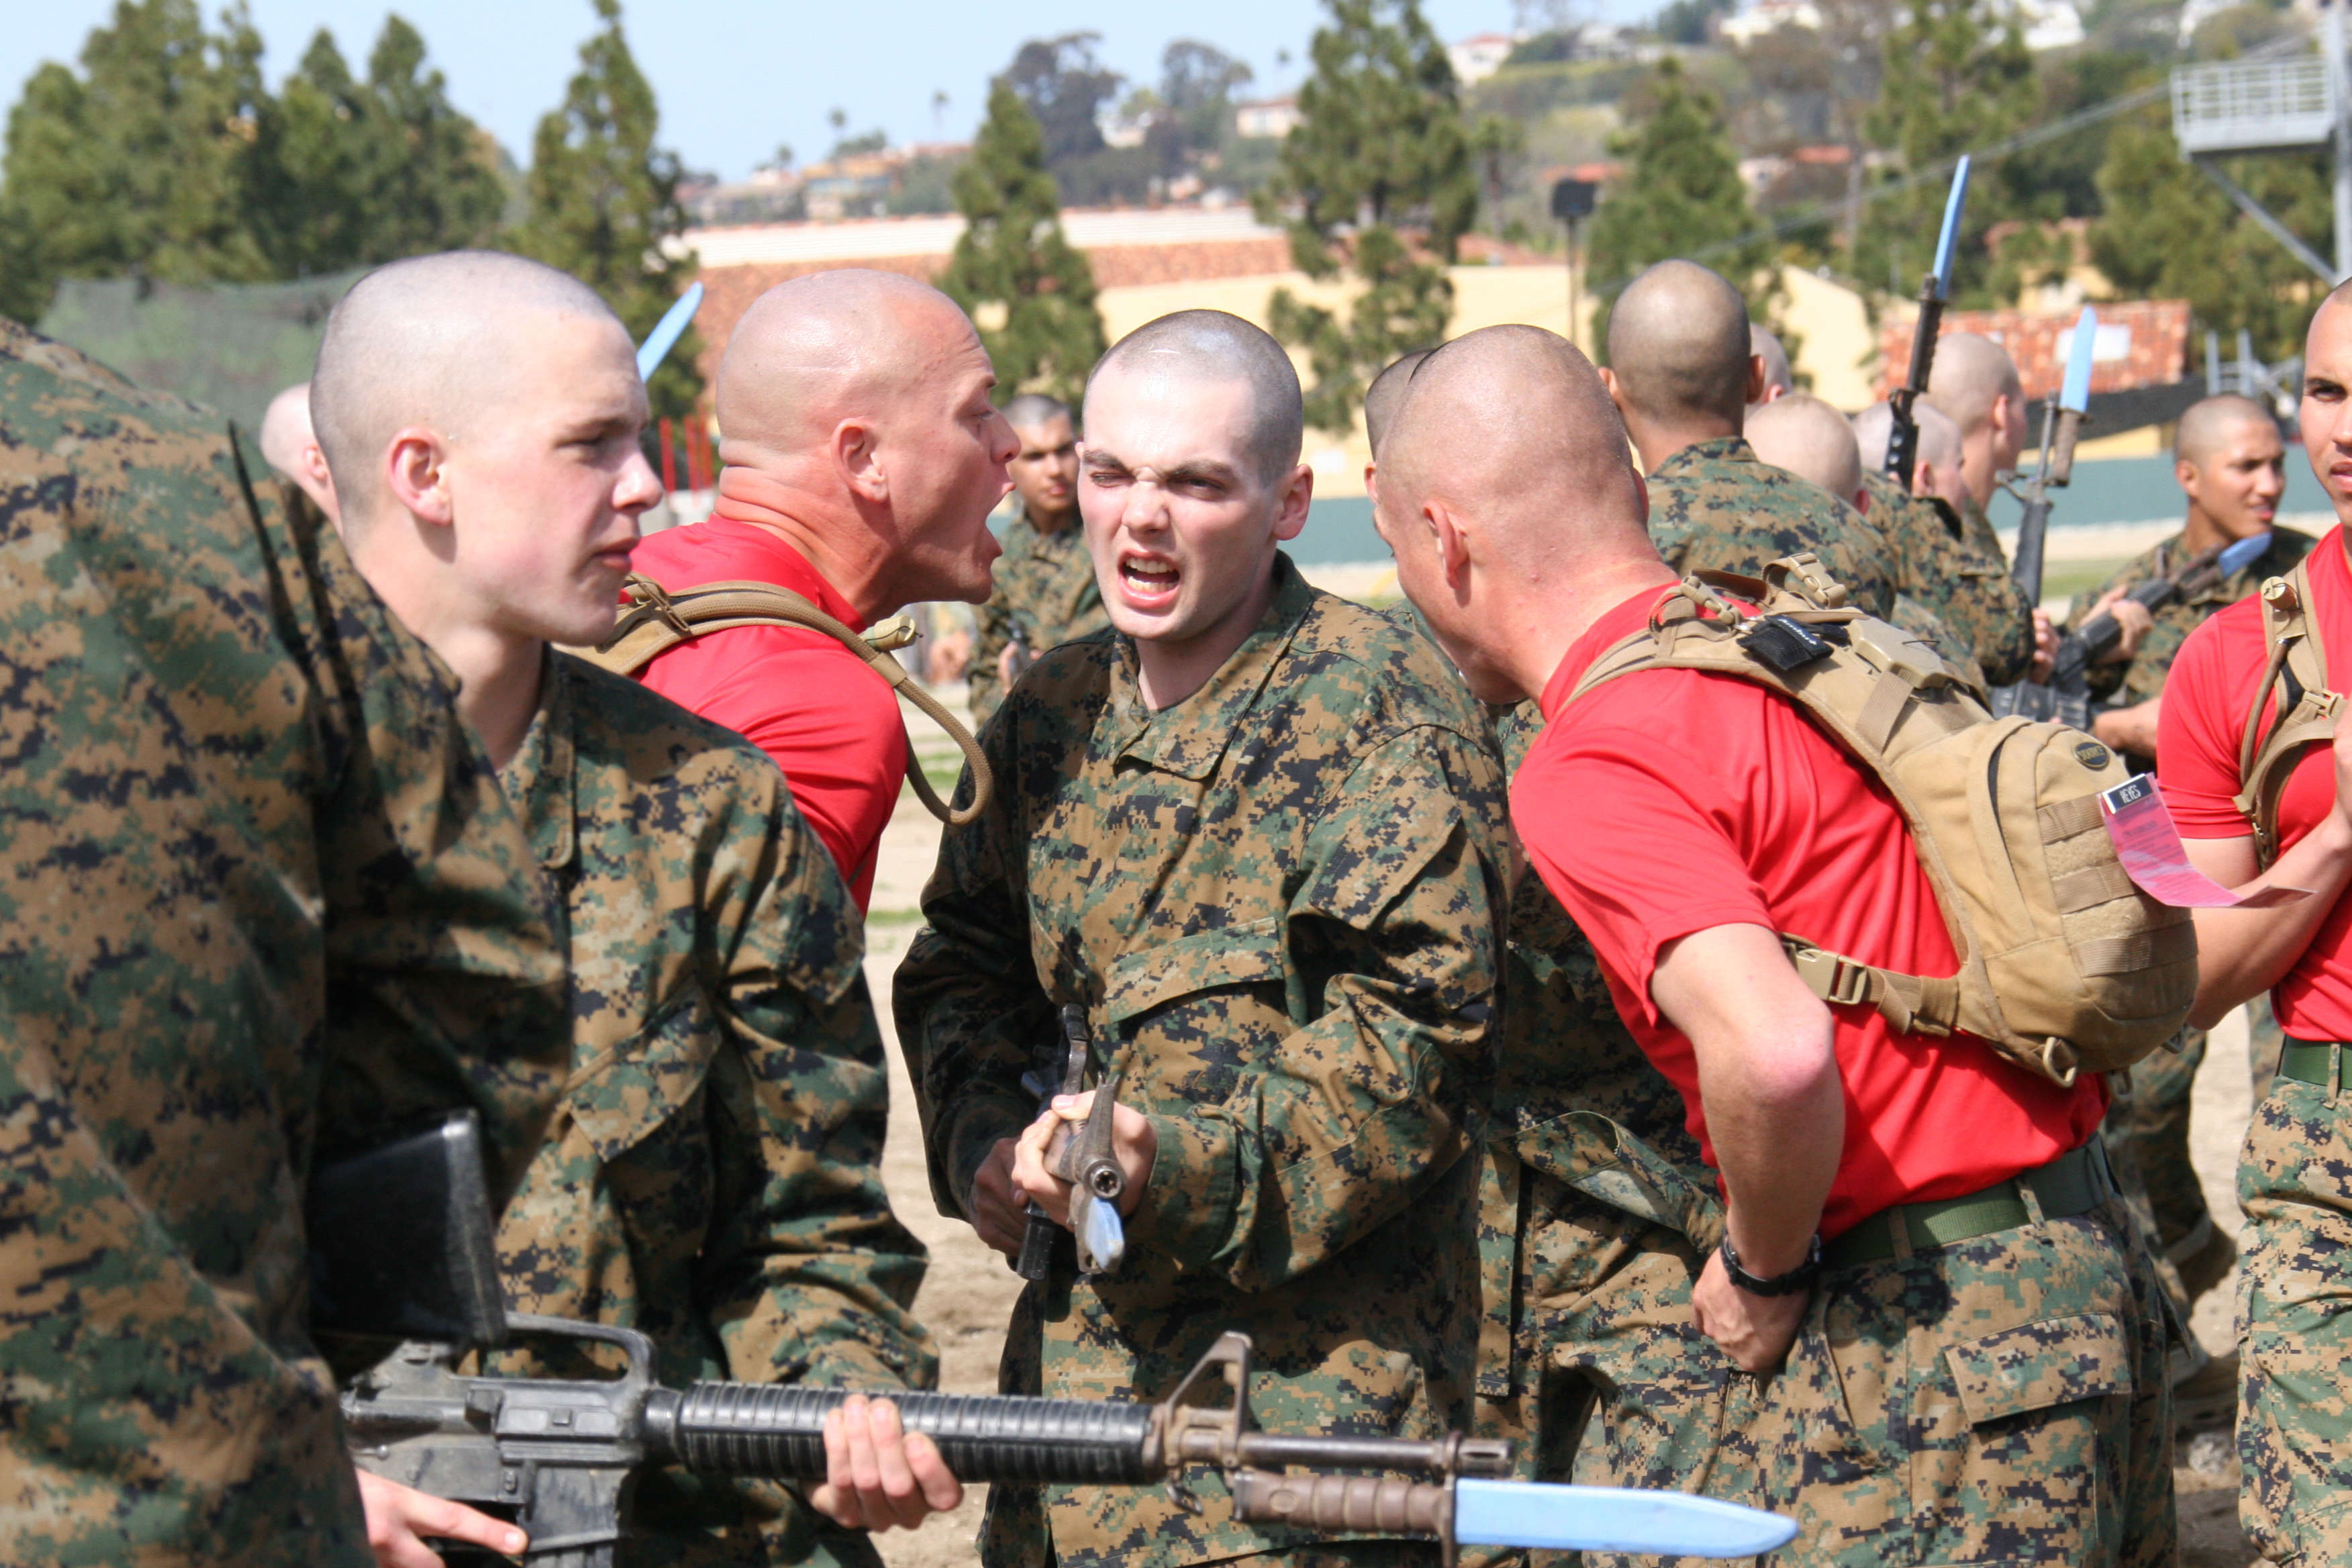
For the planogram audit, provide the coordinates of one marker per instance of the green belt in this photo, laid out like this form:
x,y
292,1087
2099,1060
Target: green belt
x,y
2075,1183
2309,1061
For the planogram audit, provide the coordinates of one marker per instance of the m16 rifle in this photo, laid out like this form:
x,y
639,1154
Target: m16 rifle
x,y
2061,424
1935,288
558,1455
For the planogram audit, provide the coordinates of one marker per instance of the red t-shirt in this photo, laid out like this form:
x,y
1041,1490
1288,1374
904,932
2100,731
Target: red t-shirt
x,y
1667,802
830,723
2199,728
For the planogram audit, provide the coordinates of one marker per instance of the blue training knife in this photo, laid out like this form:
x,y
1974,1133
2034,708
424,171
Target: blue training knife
x,y
2074,396
1950,240
1548,1517
665,332
2240,555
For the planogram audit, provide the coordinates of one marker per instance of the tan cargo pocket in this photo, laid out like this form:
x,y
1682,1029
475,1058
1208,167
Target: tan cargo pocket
x,y
1237,955
621,1097
2055,1362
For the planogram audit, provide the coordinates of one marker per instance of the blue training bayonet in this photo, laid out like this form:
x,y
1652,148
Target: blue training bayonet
x,y
2240,555
666,332
2074,396
1548,1517
1935,288
1955,205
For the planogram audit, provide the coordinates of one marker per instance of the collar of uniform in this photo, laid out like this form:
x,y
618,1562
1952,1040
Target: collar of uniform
x,y
1722,450
1190,739
538,778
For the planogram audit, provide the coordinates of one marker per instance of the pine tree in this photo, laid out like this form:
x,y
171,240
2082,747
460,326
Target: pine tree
x,y
139,163
436,182
1014,271
1680,194
603,199
1380,178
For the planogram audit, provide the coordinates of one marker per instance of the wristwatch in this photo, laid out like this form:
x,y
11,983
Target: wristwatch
x,y
1801,1278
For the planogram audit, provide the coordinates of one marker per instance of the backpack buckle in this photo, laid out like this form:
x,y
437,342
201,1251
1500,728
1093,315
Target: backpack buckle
x,y
1831,977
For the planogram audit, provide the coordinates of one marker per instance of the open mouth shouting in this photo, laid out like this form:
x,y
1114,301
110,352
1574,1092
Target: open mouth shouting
x,y
1149,582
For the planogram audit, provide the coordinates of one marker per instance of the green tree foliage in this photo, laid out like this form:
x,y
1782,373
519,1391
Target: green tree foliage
x,y
1065,90
602,198
1680,194
2169,234
1014,271
141,164
1380,183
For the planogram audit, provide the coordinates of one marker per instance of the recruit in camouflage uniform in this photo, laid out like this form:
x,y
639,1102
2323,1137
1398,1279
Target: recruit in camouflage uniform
x,y
1714,507
1045,594
1984,611
1596,1213
712,1176
250,854
1277,901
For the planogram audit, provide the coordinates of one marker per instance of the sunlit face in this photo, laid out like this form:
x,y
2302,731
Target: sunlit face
x,y
2241,480
546,483
1046,469
1180,521
2326,408
945,446
2010,432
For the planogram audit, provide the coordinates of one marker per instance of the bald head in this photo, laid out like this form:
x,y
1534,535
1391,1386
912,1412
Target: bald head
x,y
431,341
1031,409
1212,346
1809,439
2206,425
1678,347
1778,380
1512,425
285,429
1972,372
1939,439
815,351
1382,398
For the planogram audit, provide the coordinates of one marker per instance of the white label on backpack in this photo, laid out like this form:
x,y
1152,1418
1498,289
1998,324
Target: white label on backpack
x,y
2149,844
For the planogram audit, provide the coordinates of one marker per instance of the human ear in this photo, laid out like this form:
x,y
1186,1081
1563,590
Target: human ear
x,y
416,474
1297,494
1756,373
857,453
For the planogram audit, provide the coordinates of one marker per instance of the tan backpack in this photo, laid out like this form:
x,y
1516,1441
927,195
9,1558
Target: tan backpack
x,y
2307,709
658,621
2065,966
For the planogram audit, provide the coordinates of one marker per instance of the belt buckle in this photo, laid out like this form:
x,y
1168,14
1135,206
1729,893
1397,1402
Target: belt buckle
x,y
1831,977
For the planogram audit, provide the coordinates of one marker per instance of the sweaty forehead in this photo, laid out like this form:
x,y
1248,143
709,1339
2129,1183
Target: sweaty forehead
x,y
1161,409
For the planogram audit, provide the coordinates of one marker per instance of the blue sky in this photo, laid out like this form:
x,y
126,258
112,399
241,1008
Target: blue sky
x,y
736,77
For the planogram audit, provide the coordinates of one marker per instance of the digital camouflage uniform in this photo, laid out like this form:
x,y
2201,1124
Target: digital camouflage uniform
x,y
712,1177
2295,1417
2147,1131
1715,508
1983,611
1277,900
1596,1215
260,899
1045,591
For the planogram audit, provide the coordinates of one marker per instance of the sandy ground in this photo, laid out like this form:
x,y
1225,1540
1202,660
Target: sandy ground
x,y
968,1295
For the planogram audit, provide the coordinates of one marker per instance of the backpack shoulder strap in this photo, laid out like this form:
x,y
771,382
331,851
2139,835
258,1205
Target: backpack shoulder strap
x,y
2296,659
658,621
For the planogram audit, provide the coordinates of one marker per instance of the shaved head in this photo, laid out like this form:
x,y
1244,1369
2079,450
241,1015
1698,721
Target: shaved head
x,y
285,429
1386,392
431,341
1811,440
1211,346
1513,425
1939,439
1971,373
1031,409
1779,381
1678,346
836,345
2206,425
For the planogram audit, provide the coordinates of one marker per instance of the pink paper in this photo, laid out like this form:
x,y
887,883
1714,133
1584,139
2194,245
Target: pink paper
x,y
2149,844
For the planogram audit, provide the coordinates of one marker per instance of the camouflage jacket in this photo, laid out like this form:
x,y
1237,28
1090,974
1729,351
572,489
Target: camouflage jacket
x,y
1715,508
1980,608
1045,591
712,1177
2126,684
260,897
1277,900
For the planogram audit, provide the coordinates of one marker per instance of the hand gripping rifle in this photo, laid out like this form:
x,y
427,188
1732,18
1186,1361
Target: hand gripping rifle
x,y
1086,1161
1935,288
2062,424
558,1455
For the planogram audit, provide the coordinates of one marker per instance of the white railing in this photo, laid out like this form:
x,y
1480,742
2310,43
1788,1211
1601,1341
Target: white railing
x,y
2244,105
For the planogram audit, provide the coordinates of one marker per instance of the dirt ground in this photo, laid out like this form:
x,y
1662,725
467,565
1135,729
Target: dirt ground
x,y
968,1295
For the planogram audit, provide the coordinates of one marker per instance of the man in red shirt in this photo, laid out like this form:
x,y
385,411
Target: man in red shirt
x,y
2294,1178
862,458
1922,1232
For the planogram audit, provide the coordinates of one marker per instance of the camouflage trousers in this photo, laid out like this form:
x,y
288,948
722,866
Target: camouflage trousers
x,y
2148,1129
2294,1414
